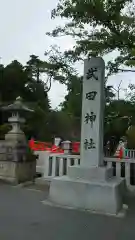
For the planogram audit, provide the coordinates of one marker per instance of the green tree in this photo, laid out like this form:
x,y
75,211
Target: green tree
x,y
98,27
60,125
131,137
40,71
119,115
15,81
33,67
130,93
73,100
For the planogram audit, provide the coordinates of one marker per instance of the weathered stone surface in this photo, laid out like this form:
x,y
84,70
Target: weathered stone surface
x,y
92,113
17,171
90,186
98,173
17,163
104,197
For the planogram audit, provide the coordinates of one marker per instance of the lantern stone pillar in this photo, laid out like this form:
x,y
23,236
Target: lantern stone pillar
x,y
17,162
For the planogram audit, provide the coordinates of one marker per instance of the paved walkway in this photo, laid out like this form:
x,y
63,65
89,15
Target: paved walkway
x,y
23,216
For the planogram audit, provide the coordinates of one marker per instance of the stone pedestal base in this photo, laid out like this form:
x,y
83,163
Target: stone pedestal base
x,y
17,172
82,189
93,173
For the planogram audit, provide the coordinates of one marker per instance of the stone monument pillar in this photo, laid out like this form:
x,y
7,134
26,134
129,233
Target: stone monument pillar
x,y
90,186
92,113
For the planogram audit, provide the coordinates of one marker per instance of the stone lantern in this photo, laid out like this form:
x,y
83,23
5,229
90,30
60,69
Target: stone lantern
x,y
17,162
16,134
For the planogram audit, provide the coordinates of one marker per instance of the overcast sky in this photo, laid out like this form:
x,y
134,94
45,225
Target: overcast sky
x,y
23,24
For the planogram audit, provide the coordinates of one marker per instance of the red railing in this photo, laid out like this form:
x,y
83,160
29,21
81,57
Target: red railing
x,y
45,146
